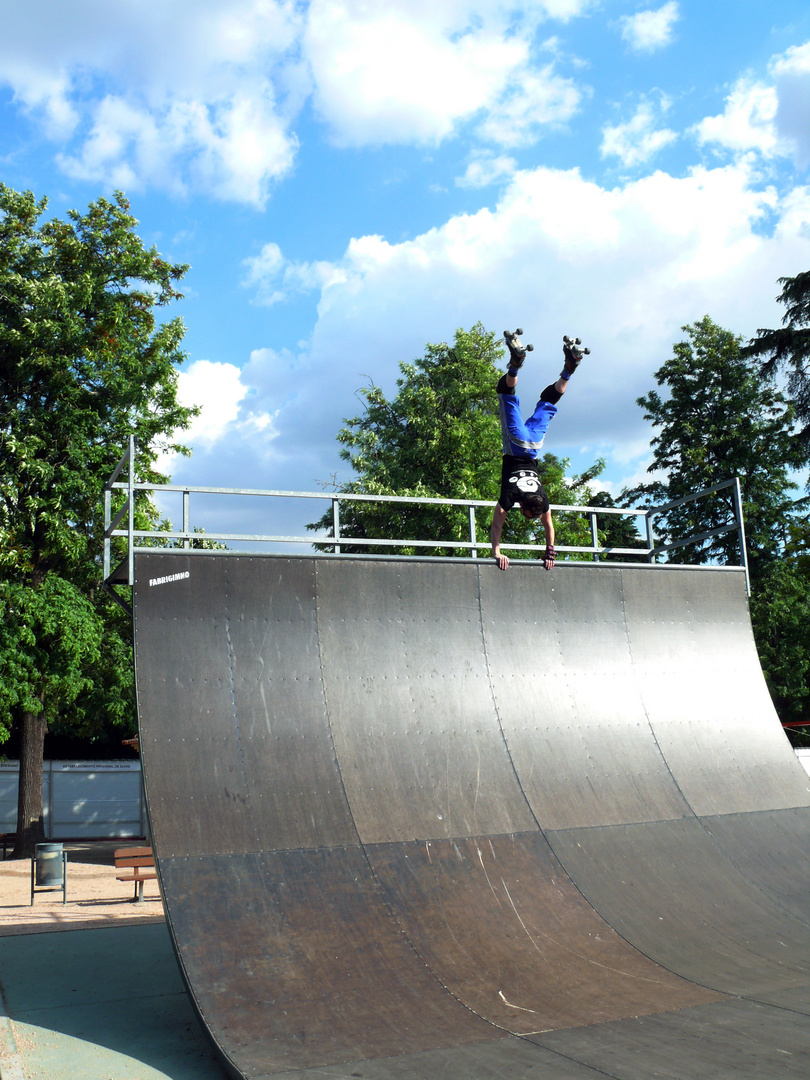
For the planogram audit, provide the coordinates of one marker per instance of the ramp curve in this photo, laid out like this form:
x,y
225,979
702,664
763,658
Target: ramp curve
x,y
420,819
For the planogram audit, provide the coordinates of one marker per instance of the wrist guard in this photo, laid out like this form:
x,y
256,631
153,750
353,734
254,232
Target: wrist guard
x,y
550,556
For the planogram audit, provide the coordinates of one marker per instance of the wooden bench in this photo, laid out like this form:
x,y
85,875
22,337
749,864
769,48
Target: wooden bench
x,y
141,862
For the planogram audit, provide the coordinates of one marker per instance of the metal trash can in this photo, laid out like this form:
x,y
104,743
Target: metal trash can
x,y
49,870
50,866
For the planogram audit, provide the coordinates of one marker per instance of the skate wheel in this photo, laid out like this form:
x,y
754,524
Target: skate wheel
x,y
530,348
518,333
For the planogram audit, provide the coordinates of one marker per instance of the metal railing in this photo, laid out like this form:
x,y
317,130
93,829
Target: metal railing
x,y
186,537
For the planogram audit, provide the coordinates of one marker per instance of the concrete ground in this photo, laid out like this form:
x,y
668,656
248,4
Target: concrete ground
x,y
91,990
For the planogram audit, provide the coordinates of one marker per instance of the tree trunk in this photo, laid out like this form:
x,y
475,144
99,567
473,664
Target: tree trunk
x,y
30,823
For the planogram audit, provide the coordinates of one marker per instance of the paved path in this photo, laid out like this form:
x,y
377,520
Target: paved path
x,y
98,1004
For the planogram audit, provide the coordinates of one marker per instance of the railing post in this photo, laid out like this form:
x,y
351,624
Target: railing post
x,y
186,518
650,535
473,538
107,538
336,523
738,514
594,535
131,525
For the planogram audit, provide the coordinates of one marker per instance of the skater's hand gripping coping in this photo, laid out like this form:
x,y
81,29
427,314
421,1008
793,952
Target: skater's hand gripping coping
x,y
498,518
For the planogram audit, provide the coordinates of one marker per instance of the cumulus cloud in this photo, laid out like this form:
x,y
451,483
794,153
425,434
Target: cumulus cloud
x,y
622,267
651,29
222,394
637,140
771,119
141,96
276,279
232,148
217,389
791,73
486,169
747,123
535,100
411,72
149,97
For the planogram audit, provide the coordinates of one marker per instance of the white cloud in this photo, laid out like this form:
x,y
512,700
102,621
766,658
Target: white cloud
x,y
536,100
638,139
747,123
146,96
218,390
651,29
276,279
404,72
791,73
223,397
768,118
624,268
412,71
486,169
232,148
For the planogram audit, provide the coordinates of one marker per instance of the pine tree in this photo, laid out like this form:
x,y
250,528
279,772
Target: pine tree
x,y
719,419
788,349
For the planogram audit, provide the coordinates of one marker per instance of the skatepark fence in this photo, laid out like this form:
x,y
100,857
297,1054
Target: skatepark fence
x,y
120,523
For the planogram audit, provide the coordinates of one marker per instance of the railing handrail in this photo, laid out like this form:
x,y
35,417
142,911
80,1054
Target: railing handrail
x,y
348,496
649,550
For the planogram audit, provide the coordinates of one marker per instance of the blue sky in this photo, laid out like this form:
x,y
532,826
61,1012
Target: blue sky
x,y
350,180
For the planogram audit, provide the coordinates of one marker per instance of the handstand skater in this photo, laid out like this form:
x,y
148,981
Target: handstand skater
x,y
520,483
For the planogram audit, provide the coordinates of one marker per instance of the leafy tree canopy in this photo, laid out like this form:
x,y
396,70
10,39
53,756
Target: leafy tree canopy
x,y
84,363
780,613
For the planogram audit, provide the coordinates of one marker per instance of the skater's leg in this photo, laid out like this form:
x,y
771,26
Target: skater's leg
x,y
517,439
537,424
546,409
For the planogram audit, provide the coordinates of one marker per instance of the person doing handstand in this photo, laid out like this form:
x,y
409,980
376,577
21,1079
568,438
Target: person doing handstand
x,y
522,440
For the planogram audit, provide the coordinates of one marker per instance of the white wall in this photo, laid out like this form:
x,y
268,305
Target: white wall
x,y
81,799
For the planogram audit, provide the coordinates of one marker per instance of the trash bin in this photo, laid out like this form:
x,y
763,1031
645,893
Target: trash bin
x,y
50,865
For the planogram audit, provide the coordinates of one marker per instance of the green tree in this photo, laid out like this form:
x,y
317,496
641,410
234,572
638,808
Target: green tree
x,y
780,613
616,530
788,348
439,437
720,419
84,363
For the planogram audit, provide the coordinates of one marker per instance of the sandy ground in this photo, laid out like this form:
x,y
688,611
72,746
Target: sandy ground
x,y
94,897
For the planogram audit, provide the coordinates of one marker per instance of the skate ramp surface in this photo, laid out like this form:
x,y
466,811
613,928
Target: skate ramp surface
x,y
425,820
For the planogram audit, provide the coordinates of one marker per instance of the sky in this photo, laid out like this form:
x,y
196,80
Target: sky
x,y
352,179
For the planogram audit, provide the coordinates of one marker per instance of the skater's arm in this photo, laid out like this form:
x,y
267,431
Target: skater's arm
x,y
498,518
548,529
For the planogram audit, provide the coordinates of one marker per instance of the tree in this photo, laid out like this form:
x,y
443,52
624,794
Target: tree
x,y
723,418
616,530
439,437
720,419
780,613
84,363
789,348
